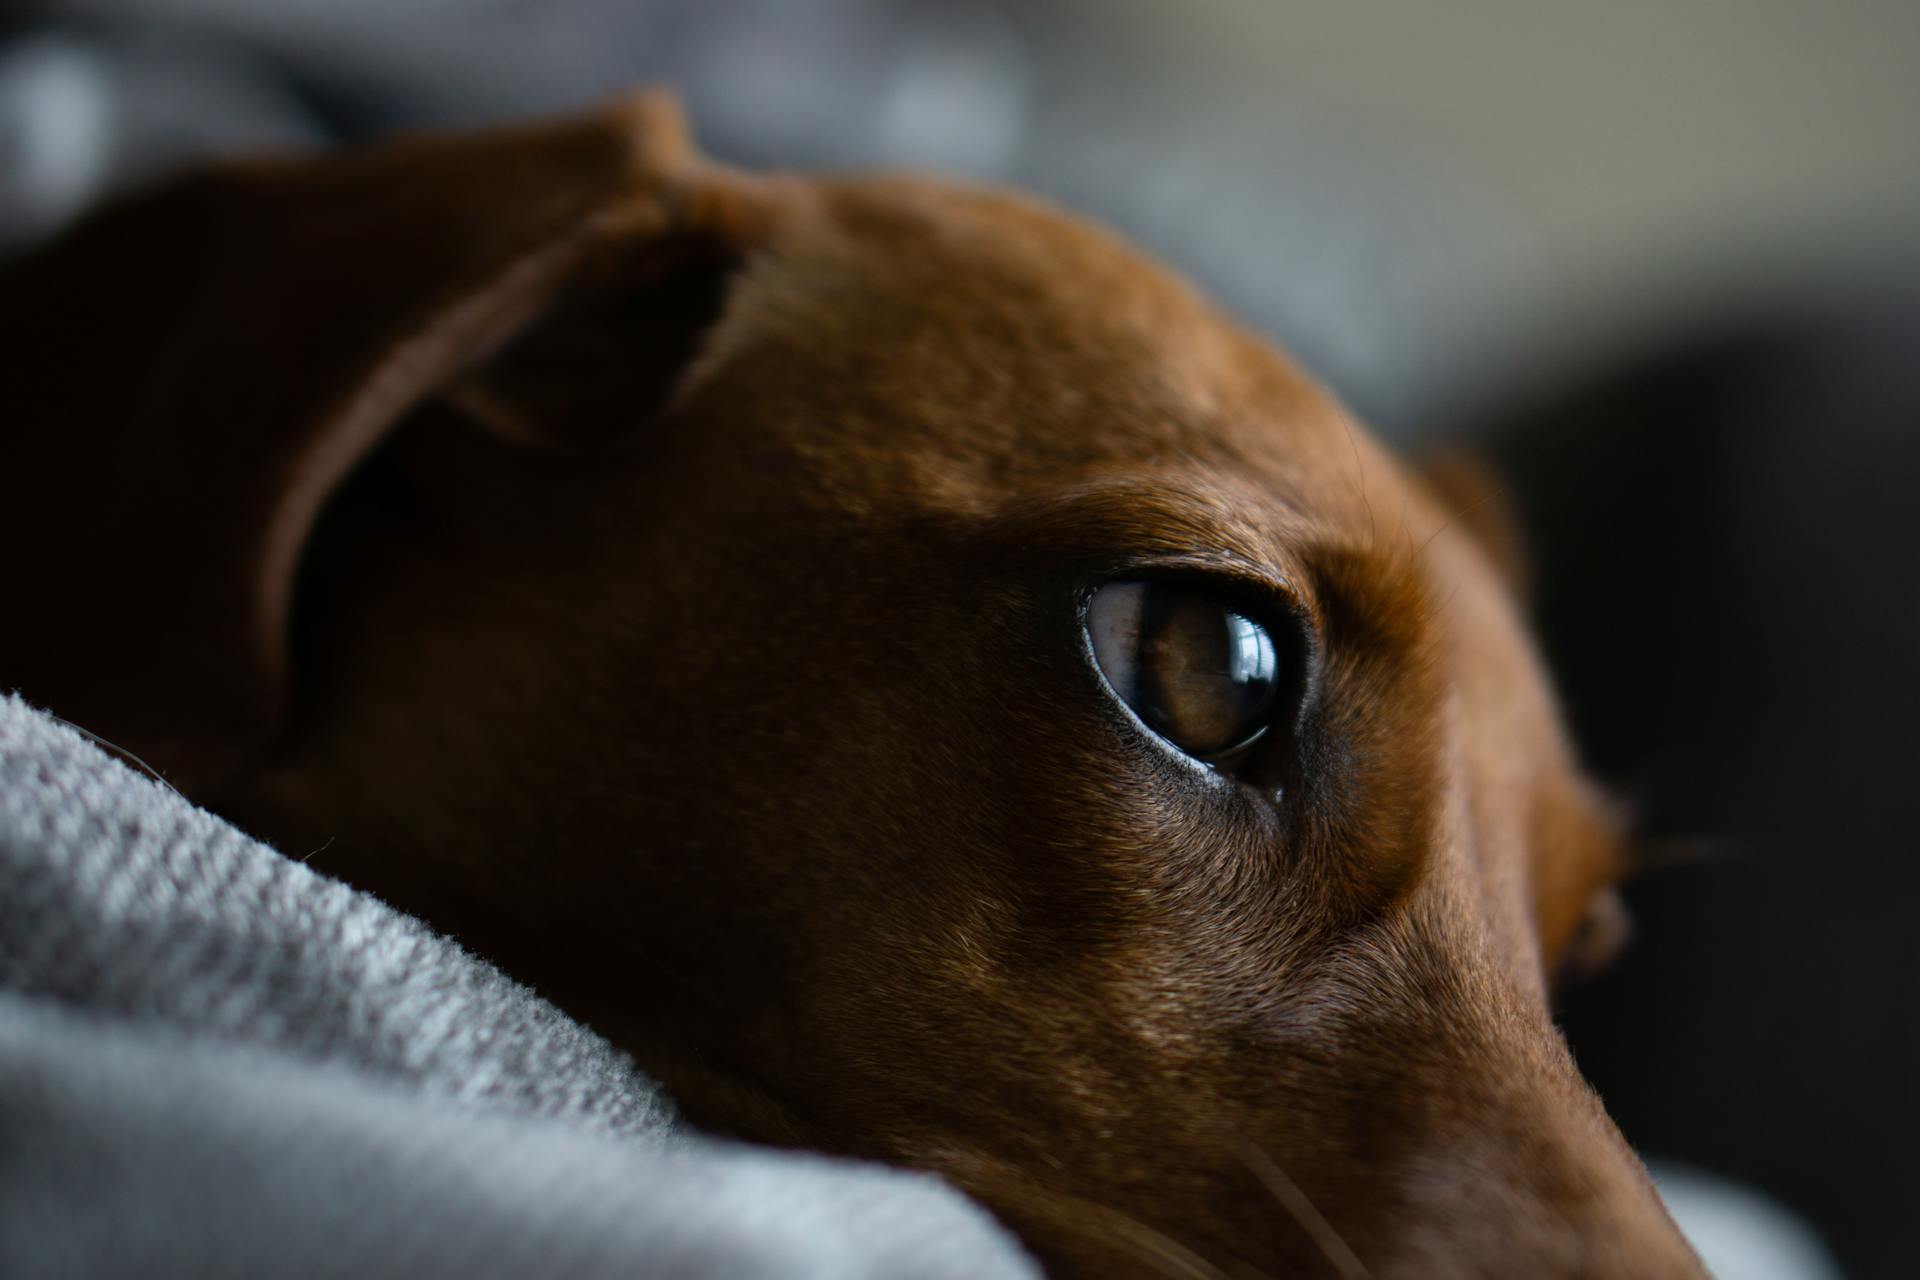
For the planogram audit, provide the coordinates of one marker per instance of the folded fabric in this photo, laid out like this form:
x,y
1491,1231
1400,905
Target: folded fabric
x,y
215,1062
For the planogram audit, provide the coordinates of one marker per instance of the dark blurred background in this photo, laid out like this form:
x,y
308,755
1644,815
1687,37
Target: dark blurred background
x,y
1661,260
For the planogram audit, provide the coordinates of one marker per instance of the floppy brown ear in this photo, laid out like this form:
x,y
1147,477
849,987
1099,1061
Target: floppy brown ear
x,y
1475,499
193,372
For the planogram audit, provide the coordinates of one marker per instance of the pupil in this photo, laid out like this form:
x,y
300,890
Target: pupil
x,y
1208,674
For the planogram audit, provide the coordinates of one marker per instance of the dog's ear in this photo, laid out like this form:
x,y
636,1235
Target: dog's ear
x,y
1474,497
194,371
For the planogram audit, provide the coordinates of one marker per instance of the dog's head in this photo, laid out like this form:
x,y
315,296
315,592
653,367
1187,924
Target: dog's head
x,y
901,664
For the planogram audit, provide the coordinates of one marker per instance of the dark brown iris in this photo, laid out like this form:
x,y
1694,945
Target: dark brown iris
x,y
1197,672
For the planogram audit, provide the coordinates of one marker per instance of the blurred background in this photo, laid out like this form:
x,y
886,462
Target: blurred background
x,y
1661,261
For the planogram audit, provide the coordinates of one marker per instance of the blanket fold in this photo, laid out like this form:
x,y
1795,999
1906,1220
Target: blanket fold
x,y
214,1061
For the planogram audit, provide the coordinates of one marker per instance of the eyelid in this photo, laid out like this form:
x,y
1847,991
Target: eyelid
x,y
1273,599
1158,518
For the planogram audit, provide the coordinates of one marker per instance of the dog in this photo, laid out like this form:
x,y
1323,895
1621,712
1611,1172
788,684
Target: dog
x,y
898,663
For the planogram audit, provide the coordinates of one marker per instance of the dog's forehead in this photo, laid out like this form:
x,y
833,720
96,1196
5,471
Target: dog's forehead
x,y
970,343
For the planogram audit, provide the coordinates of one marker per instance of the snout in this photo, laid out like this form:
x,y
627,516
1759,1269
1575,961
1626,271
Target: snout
x,y
1548,1190
1448,1135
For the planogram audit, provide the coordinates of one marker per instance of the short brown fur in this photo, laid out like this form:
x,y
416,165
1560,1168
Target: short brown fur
x,y
698,635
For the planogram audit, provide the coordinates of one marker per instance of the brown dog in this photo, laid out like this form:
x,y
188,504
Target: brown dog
x,y
897,662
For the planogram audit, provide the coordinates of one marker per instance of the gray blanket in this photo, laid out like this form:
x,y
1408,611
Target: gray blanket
x,y
215,1062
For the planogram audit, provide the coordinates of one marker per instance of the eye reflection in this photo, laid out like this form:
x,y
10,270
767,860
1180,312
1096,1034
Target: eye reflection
x,y
1252,648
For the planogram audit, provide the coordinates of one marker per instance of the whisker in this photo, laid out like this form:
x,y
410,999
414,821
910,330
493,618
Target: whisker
x,y
1663,854
1163,1252
119,750
1493,495
1311,1220
1360,479
1169,1255
1406,530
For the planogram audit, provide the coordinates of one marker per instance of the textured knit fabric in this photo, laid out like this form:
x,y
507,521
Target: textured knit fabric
x,y
122,898
215,1062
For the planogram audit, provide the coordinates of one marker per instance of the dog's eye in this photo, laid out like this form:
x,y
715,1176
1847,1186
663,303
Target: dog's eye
x,y
1195,671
